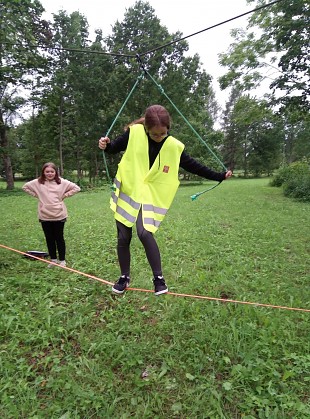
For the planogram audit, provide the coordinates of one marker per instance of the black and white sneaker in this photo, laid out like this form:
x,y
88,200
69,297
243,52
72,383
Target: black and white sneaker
x,y
160,286
120,286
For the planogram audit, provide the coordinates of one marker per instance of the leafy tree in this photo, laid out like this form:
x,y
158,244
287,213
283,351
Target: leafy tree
x,y
88,82
180,78
69,33
296,144
283,41
253,139
232,148
73,94
21,26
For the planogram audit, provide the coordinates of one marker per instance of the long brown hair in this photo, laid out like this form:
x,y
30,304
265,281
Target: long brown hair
x,y
42,178
136,121
155,115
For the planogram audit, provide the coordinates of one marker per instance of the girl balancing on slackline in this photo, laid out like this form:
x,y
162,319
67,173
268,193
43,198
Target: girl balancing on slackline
x,y
145,185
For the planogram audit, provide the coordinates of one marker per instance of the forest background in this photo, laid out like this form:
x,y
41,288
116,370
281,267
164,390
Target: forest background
x,y
59,91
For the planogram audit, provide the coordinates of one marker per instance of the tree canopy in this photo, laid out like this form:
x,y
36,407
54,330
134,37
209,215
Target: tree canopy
x,y
277,38
67,89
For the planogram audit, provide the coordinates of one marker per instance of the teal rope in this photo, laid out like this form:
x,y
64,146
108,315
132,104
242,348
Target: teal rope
x,y
188,123
112,125
107,170
195,196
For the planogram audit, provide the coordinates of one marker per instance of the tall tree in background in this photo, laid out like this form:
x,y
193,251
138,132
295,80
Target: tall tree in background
x,y
281,43
139,32
296,142
252,139
76,86
231,148
180,77
279,50
21,26
69,33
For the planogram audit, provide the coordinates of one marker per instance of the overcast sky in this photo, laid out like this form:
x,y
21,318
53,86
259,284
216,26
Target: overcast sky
x,y
187,17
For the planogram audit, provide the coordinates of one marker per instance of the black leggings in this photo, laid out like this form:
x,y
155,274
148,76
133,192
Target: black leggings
x,y
124,235
54,236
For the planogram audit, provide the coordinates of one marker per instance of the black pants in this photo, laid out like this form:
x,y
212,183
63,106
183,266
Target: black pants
x,y
124,235
54,236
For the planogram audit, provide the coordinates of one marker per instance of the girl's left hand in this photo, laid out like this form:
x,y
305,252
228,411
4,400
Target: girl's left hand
x,y
103,141
228,174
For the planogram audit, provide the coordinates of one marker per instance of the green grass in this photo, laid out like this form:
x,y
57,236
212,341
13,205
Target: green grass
x,y
69,349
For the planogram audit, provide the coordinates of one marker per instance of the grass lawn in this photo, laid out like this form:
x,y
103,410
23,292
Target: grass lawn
x,y
69,349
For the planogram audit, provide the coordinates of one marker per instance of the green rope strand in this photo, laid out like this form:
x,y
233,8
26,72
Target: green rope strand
x,y
188,123
140,77
195,196
112,125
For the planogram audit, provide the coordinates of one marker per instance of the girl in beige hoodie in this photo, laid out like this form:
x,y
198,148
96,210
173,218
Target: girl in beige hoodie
x,y
51,190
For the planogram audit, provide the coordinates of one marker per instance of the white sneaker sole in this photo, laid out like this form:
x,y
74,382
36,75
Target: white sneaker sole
x,y
162,292
118,291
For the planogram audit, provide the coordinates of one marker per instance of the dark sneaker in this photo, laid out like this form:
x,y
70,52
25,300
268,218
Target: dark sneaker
x,y
120,286
160,286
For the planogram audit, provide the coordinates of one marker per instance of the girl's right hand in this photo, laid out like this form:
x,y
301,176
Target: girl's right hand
x,y
103,141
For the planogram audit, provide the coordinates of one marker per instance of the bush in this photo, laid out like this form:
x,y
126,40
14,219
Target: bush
x,y
289,171
298,188
96,183
295,179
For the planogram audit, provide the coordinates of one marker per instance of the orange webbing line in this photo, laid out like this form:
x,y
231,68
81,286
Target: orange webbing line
x,y
63,267
202,297
225,300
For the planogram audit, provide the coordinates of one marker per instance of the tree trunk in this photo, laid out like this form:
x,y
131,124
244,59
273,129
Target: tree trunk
x,y
61,138
4,143
245,157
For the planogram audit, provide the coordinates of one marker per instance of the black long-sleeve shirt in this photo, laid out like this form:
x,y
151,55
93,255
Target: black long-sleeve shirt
x,y
187,162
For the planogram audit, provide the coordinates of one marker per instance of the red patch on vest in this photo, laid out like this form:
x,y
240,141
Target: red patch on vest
x,y
166,169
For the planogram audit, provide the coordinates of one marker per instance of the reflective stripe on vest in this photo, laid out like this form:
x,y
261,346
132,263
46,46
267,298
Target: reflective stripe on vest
x,y
138,185
151,222
121,211
136,205
157,210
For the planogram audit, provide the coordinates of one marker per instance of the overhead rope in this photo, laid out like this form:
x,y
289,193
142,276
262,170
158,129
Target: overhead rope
x,y
80,51
210,27
162,91
201,297
131,55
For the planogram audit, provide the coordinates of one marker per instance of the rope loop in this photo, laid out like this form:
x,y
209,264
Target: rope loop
x,y
161,89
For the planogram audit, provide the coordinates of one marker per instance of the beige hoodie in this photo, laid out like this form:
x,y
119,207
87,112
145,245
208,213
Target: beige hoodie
x,y
51,195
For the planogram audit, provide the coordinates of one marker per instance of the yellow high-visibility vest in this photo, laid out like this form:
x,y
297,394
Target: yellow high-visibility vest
x,y
138,185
